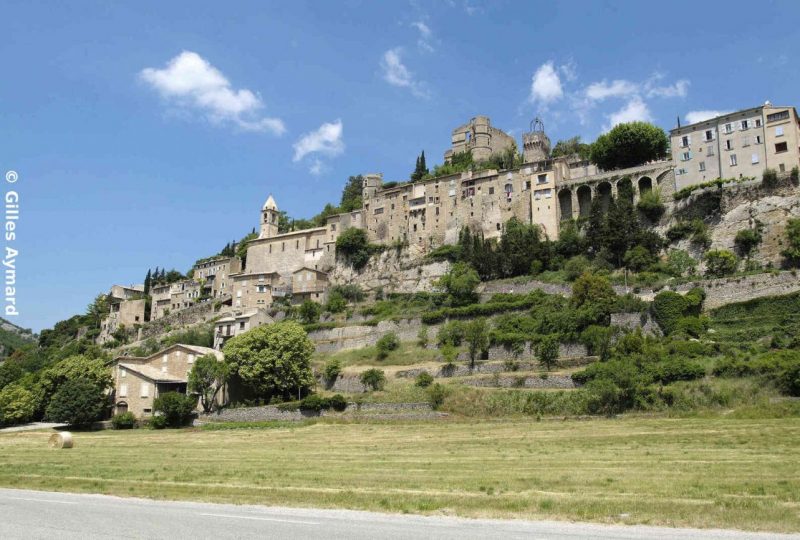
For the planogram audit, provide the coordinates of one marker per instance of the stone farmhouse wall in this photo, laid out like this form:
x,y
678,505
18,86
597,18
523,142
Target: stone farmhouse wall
x,y
720,292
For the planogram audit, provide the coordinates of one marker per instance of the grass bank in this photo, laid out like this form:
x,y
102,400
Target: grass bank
x,y
699,472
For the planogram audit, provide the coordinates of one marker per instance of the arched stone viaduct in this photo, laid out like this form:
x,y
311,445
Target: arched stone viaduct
x,y
575,196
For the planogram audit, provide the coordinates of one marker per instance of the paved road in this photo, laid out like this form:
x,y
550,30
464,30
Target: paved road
x,y
62,516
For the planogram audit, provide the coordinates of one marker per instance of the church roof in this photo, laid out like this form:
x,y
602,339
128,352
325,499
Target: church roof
x,y
270,204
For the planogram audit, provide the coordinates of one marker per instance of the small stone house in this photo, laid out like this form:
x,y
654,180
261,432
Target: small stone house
x,y
235,324
138,381
309,284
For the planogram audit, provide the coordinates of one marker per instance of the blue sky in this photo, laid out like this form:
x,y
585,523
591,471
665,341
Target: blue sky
x,y
148,133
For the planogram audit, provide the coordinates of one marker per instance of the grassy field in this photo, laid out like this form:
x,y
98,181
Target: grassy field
x,y
701,472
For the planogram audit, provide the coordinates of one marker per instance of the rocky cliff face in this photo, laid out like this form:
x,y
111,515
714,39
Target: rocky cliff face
x,y
403,271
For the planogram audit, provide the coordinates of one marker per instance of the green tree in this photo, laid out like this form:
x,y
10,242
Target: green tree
x,y
351,194
336,302
76,367
373,379
460,283
679,262
596,229
309,312
720,263
77,402
520,245
629,145
571,147
591,288
792,252
333,368
175,408
207,378
547,351
638,258
272,359
386,344
420,169
17,405
353,247
147,280
746,241
476,334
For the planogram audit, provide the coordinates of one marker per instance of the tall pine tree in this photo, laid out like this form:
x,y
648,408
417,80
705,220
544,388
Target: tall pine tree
x,y
147,282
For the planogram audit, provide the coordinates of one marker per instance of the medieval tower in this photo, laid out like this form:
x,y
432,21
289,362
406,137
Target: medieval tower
x,y
535,143
269,219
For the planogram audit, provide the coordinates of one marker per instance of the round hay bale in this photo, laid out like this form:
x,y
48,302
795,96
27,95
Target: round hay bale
x,y
61,440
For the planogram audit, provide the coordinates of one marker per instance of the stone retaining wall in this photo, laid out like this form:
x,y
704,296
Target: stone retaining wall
x,y
521,381
271,412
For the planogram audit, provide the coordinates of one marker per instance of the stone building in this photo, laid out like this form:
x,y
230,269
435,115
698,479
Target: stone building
x,y
309,284
737,144
161,301
126,310
480,139
138,381
184,293
234,324
214,275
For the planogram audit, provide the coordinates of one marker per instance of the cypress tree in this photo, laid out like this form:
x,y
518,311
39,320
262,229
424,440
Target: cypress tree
x,y
147,280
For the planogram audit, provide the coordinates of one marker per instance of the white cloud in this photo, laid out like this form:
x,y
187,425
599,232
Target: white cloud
x,y
569,70
546,85
317,167
193,82
602,90
634,110
692,117
425,36
679,89
397,74
327,140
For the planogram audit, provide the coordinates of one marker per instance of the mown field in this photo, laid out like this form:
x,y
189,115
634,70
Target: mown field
x,y
699,472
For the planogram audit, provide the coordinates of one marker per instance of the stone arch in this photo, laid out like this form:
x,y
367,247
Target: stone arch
x,y
625,188
565,203
604,192
121,407
645,185
584,200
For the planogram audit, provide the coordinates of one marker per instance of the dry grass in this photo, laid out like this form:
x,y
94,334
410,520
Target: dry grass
x,y
702,472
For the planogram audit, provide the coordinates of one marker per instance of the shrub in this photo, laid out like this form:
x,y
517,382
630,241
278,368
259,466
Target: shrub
x,y
126,420
351,293
17,405
314,402
679,263
604,397
547,351
436,395
792,252
424,380
668,308
354,248
77,402
794,176
337,402
450,333
460,283
373,379
176,408
638,258
651,206
157,422
746,240
336,303
720,263
770,178
309,312
576,266
422,337
386,344
333,368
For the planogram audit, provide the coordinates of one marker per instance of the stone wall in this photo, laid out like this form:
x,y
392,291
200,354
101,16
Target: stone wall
x,y
522,381
720,292
360,336
184,318
632,321
271,412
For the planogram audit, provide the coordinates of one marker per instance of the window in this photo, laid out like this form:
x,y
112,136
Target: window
x,y
754,158
758,122
745,124
758,139
728,144
710,151
686,156
283,246
709,135
685,141
542,179
498,226
145,390
377,211
123,390
122,372
261,288
779,131
745,141
783,115
733,160
702,166
781,168
728,128
297,244
680,172
333,225
781,147
241,325
509,188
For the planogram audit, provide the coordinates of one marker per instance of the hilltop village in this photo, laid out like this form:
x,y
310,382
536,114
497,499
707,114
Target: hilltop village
x,y
425,214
